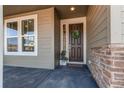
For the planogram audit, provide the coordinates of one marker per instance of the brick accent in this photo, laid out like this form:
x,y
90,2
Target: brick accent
x,y
107,65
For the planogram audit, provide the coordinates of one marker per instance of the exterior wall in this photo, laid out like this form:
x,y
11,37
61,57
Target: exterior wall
x,y
117,43
98,35
106,55
45,57
107,65
117,68
1,46
57,38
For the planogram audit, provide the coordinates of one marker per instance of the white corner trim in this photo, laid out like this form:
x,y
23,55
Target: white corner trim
x,y
115,20
19,36
1,46
71,21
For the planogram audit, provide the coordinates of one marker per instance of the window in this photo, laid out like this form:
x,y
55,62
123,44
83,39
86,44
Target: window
x,y
12,38
21,35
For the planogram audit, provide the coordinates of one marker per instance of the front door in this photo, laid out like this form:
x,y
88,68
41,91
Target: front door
x,y
76,42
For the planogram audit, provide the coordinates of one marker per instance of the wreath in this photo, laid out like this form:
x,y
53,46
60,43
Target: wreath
x,y
75,34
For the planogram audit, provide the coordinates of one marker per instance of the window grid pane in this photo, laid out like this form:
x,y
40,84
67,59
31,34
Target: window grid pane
x,y
12,29
28,27
12,44
28,44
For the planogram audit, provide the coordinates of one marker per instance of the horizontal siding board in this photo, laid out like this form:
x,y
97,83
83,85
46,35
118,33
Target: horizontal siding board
x,y
98,22
99,36
98,26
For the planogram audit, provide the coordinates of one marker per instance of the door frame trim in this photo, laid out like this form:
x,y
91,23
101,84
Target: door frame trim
x,y
73,21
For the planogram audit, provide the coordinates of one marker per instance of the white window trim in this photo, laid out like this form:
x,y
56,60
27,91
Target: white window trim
x,y
20,52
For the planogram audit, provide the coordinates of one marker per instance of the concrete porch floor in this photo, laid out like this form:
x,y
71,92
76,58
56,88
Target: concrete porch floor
x,y
62,77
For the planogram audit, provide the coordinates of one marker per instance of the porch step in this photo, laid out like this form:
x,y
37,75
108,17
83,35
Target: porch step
x,y
74,65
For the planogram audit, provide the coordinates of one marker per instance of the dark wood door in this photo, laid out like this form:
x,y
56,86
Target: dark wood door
x,y
76,42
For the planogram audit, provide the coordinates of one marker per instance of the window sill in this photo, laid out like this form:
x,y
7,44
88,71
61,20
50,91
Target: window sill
x,y
20,54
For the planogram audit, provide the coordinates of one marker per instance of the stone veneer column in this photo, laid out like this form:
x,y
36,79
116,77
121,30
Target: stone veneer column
x,y
107,65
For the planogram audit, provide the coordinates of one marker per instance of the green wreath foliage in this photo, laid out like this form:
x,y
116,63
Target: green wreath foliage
x,y
75,34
